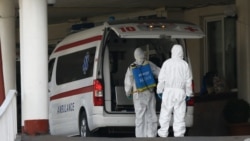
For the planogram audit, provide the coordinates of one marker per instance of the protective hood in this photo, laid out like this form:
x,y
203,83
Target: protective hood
x,y
177,52
139,55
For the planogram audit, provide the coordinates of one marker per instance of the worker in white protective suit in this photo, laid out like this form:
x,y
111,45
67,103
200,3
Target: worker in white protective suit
x,y
174,87
139,83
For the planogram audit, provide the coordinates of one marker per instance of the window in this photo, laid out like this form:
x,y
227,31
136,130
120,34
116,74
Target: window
x,y
220,49
51,64
75,66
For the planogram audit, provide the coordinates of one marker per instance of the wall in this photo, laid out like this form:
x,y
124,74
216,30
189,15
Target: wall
x,y
58,31
243,60
243,49
196,47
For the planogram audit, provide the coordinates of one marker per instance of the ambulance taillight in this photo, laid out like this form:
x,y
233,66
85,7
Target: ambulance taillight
x,y
98,93
191,101
193,85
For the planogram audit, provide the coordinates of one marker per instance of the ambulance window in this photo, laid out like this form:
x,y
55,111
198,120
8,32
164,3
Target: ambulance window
x,y
75,66
51,64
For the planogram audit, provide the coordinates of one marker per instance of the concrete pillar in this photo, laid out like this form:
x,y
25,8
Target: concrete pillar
x,y
243,48
34,66
8,45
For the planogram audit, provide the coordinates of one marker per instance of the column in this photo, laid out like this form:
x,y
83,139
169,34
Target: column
x,y
243,48
8,47
34,66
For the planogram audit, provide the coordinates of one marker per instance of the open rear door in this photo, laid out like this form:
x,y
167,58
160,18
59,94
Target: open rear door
x,y
157,29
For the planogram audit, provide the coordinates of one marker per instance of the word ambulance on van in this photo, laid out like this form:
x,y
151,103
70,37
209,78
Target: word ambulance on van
x,y
87,70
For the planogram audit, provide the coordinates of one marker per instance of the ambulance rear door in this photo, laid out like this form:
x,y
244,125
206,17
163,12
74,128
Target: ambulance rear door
x,y
157,29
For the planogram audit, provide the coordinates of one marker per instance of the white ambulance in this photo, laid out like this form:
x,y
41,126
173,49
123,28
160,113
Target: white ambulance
x,y
87,70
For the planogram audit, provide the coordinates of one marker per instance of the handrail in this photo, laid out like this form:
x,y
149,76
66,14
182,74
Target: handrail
x,y
8,117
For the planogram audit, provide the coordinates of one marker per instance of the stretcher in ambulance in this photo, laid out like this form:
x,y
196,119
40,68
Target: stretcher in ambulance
x,y
87,70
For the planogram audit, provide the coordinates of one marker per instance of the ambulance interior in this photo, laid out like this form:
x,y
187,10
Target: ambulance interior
x,y
118,55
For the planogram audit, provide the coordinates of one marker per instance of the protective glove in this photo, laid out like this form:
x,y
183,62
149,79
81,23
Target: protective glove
x,y
129,96
159,95
188,98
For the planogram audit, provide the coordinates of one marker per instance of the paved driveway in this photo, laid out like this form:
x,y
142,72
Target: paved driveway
x,y
63,138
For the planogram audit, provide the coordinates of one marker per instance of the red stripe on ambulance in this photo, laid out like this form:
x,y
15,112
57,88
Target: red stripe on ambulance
x,y
72,92
81,42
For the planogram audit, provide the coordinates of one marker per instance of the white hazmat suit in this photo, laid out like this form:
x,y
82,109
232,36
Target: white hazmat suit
x,y
175,84
144,96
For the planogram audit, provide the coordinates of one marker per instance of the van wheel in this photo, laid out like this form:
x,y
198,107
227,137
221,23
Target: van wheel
x,y
187,131
83,126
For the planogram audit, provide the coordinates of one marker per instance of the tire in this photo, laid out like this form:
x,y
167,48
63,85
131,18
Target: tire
x,y
187,131
83,126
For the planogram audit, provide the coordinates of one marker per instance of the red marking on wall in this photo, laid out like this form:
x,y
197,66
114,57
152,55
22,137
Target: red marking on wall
x,y
36,127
